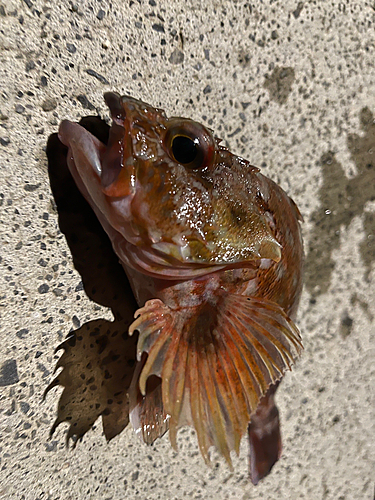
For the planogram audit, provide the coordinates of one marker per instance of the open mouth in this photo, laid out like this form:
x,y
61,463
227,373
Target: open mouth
x,y
112,162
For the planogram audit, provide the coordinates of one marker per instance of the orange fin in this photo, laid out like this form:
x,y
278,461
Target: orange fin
x,y
216,361
264,437
146,413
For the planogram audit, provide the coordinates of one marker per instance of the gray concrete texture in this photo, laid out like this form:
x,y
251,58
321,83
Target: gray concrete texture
x,y
288,85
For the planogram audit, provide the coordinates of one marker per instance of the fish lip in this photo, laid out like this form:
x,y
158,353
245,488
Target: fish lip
x,y
117,105
114,102
119,154
71,134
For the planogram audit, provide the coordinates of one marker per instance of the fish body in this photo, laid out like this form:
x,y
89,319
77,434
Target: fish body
x,y
213,252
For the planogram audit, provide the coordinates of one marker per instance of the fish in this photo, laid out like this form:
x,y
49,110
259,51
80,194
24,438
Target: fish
x,y
214,255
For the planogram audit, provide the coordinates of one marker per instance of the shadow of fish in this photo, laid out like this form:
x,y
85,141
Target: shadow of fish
x,y
99,357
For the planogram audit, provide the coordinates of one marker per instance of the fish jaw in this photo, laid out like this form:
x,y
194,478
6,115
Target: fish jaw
x,y
86,158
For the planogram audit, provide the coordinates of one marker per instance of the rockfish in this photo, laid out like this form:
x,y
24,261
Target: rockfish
x,y
213,251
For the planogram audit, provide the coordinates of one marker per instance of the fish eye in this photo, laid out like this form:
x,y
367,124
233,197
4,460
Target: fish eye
x,y
189,144
185,149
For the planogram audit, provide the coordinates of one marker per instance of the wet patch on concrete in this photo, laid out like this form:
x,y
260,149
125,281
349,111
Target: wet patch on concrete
x,y
279,84
341,200
367,247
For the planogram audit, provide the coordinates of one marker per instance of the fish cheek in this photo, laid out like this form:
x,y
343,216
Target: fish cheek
x,y
156,191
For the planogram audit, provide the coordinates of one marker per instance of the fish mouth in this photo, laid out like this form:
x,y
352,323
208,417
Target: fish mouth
x,y
119,105
107,175
119,150
112,161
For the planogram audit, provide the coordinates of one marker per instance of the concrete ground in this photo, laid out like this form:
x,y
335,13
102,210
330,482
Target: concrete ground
x,y
290,86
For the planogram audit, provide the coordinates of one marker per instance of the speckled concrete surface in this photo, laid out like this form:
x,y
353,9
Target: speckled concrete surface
x,y
291,86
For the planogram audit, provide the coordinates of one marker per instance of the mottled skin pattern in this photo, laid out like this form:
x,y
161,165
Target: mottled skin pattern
x,y
213,252
282,281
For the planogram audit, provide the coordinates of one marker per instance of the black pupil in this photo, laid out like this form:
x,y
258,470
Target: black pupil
x,y
184,149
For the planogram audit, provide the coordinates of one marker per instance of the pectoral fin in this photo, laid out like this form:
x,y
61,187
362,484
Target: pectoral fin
x,y
146,413
216,361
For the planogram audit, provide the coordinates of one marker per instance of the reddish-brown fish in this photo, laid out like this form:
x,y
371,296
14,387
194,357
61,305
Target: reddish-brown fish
x,y
213,251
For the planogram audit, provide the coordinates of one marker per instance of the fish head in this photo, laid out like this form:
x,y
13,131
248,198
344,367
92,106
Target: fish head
x,y
178,198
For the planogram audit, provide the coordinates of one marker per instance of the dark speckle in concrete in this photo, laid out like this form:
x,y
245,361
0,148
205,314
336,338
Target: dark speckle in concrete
x,y
85,102
346,325
19,108
158,27
96,75
43,288
341,200
76,321
177,57
43,369
25,407
243,59
8,373
30,65
22,333
279,84
135,475
100,15
29,3
31,187
4,141
52,446
49,104
298,10
71,48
